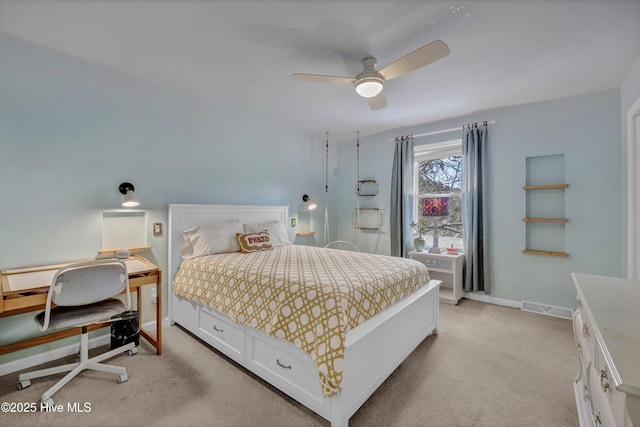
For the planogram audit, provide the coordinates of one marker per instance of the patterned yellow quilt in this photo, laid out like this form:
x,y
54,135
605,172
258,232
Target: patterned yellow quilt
x,y
306,295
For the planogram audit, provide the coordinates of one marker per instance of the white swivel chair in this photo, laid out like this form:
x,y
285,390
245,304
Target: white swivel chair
x,y
84,294
344,245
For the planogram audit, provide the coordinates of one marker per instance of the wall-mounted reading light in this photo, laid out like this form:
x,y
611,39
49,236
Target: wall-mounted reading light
x,y
308,203
129,200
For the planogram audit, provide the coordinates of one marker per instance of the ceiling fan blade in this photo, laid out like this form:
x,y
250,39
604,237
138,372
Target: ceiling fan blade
x,y
420,57
322,78
377,102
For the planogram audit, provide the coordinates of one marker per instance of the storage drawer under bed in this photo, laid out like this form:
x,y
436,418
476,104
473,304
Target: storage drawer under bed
x,y
227,335
287,368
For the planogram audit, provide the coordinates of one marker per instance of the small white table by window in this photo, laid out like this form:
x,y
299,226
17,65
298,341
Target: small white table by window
x,y
447,268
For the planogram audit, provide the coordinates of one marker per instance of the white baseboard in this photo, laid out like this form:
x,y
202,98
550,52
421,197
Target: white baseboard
x,y
492,300
57,353
532,307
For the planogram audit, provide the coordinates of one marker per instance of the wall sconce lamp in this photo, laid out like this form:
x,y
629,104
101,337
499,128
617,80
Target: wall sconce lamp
x,y
129,200
308,203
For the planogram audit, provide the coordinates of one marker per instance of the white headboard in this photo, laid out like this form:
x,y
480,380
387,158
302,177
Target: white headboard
x,y
182,217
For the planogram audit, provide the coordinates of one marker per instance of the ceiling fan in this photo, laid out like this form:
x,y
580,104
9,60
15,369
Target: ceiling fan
x,y
370,81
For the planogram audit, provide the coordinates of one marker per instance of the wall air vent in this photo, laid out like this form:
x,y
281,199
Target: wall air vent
x,y
549,310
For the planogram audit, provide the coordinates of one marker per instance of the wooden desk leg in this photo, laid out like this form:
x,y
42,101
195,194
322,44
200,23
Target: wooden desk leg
x,y
139,296
157,340
159,313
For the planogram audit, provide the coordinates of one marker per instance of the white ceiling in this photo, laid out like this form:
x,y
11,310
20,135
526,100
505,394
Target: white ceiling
x,y
243,52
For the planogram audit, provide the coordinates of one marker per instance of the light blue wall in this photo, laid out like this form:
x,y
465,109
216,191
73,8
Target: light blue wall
x,y
72,131
586,129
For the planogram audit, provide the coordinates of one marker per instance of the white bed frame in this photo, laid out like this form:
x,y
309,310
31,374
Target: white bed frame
x,y
373,350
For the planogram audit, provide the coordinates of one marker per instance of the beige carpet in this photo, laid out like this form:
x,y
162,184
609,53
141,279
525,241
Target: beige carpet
x,y
488,366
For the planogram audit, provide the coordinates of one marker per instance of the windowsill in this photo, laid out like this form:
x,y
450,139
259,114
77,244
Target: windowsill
x,y
445,242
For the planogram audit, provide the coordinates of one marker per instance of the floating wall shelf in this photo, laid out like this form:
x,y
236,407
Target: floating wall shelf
x,y
548,220
545,206
367,187
367,219
547,253
545,187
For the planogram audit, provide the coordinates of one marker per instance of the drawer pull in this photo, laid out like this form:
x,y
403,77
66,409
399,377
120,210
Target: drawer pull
x,y
216,329
604,376
597,418
281,365
585,330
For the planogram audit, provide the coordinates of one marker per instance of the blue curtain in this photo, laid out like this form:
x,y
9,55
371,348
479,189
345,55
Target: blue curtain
x,y
475,204
401,212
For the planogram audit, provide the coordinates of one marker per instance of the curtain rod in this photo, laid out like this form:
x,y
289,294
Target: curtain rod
x,y
419,135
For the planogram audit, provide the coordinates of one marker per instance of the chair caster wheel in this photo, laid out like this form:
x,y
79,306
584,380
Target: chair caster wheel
x,y
133,351
47,403
123,378
24,384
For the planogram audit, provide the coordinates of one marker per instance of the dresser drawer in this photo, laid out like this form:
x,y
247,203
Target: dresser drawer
x,y
583,393
601,411
614,399
436,263
585,335
287,368
222,333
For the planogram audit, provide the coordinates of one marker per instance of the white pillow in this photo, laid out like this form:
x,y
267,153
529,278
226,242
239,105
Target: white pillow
x,y
207,239
276,229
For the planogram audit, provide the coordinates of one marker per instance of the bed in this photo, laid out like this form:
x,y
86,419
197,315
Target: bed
x,y
369,351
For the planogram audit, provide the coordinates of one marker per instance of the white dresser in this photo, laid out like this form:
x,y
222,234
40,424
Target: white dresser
x,y
606,326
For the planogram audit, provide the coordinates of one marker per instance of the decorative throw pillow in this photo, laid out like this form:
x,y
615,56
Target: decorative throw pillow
x,y
252,242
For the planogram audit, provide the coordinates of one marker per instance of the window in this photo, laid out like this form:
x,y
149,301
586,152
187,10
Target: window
x,y
438,172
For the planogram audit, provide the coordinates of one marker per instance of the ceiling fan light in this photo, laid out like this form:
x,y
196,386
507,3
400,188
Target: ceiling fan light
x,y
369,87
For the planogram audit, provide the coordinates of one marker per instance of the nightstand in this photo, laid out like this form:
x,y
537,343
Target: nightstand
x,y
447,268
